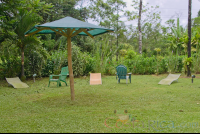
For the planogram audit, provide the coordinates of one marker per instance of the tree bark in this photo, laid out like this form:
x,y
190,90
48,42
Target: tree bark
x,y
22,62
110,49
71,76
139,28
189,37
117,53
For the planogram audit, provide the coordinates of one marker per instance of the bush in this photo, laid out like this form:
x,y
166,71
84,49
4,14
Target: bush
x,y
110,68
175,64
48,68
163,66
89,65
10,68
33,64
142,65
129,59
138,64
82,63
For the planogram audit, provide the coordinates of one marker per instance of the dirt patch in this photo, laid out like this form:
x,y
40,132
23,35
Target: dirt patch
x,y
189,77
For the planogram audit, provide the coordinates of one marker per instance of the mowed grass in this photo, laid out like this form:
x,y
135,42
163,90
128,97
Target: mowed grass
x,y
159,108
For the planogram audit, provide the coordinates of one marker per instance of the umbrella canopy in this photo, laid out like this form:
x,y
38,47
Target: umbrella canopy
x,y
69,27
60,26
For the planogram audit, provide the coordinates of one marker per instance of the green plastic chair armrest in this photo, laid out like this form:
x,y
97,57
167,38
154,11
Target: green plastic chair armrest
x,y
63,74
51,76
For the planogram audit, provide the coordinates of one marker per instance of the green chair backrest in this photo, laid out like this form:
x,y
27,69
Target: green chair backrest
x,y
64,73
121,71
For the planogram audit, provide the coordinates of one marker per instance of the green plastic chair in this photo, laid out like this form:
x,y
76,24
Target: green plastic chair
x,y
62,77
122,73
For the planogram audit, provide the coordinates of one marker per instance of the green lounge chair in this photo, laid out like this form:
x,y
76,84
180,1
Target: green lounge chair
x,y
170,78
122,73
62,77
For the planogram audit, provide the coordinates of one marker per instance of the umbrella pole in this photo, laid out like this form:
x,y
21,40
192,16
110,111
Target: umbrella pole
x,y
71,76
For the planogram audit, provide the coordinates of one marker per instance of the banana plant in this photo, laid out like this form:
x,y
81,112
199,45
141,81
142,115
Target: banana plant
x,y
177,33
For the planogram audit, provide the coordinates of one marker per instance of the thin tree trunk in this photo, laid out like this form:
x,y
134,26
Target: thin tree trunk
x,y
139,28
22,61
189,37
117,53
110,49
71,76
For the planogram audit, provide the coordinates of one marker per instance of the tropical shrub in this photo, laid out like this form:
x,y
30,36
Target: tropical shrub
x,y
188,62
59,59
48,68
89,64
10,68
129,59
82,63
35,60
110,68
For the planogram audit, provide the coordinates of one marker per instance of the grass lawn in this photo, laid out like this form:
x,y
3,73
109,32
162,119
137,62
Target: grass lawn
x,y
158,108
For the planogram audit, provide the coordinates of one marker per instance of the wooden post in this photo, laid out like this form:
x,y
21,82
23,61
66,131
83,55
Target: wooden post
x,y
71,76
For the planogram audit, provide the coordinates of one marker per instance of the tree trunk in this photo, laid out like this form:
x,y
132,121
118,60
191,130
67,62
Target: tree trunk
x,y
71,76
189,37
139,28
101,54
117,53
22,61
110,49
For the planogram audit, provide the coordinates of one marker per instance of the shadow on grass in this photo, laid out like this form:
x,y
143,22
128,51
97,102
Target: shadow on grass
x,y
65,100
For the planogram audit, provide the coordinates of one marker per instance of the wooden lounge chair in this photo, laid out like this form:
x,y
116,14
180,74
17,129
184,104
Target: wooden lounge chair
x,y
16,82
170,78
95,79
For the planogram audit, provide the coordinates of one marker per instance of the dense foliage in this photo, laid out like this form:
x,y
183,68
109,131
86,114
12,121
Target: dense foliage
x,y
164,47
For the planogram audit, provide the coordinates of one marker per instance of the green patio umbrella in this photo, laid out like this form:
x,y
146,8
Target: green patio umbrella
x,y
69,27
